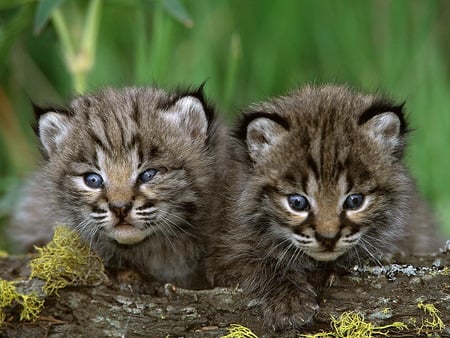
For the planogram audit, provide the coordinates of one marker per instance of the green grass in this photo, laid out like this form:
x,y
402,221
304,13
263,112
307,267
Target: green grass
x,y
245,50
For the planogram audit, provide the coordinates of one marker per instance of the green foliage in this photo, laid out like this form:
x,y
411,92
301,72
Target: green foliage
x,y
245,50
44,10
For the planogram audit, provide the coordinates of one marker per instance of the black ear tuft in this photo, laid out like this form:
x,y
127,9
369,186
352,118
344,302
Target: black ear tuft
x,y
261,131
383,106
199,94
385,124
188,115
39,111
240,130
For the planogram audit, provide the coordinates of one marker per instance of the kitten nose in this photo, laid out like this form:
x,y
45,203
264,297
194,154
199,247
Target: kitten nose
x,y
120,209
328,241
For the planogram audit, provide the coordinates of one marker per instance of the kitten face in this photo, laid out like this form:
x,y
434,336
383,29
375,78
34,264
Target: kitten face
x,y
127,165
327,164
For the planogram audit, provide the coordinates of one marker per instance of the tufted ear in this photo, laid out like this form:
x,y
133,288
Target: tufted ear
x,y
188,113
53,128
385,129
385,123
263,133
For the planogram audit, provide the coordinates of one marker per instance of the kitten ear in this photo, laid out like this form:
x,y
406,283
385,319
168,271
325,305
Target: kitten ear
x,y
188,113
53,128
263,133
385,129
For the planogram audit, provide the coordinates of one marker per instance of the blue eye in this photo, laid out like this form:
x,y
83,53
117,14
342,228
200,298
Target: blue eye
x,y
93,180
147,175
298,202
353,201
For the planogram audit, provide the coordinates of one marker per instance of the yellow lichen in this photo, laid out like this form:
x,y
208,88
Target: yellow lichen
x,y
386,311
32,306
66,260
3,254
31,303
434,322
239,331
321,334
7,292
7,295
352,324
445,271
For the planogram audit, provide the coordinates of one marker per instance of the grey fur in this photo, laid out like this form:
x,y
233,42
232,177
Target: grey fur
x,y
120,133
324,143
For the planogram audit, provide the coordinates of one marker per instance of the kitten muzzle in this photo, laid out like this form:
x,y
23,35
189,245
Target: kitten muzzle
x,y
125,233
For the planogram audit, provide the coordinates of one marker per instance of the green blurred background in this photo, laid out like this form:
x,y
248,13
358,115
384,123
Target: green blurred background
x,y
245,49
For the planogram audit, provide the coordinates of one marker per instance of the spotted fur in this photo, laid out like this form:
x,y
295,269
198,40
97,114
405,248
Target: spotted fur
x,y
304,161
157,155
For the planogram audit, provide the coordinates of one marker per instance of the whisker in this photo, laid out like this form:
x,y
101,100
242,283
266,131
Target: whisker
x,y
275,247
364,245
171,218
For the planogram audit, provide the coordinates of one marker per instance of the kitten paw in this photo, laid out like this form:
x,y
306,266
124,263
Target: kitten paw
x,y
132,281
290,311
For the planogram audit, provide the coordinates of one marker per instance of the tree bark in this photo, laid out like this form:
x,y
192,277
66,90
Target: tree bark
x,y
383,295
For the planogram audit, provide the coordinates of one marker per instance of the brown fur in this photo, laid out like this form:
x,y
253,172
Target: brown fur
x,y
325,144
158,226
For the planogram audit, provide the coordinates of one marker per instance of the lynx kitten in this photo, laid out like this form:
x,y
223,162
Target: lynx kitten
x,y
135,172
322,186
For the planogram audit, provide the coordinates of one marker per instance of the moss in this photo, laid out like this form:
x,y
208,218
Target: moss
x,y
66,260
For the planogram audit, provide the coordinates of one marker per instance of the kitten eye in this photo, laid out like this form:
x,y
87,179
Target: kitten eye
x,y
298,202
147,175
93,180
353,201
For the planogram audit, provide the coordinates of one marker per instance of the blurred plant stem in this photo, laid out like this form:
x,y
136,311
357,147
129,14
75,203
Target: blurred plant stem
x,y
20,154
79,59
232,68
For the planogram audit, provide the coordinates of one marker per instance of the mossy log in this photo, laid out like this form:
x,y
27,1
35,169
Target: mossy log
x,y
383,295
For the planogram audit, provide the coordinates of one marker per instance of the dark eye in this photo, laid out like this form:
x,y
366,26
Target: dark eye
x,y
147,175
93,180
353,201
298,202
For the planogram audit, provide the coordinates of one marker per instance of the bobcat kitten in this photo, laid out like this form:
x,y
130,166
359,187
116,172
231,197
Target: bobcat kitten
x,y
135,172
322,186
